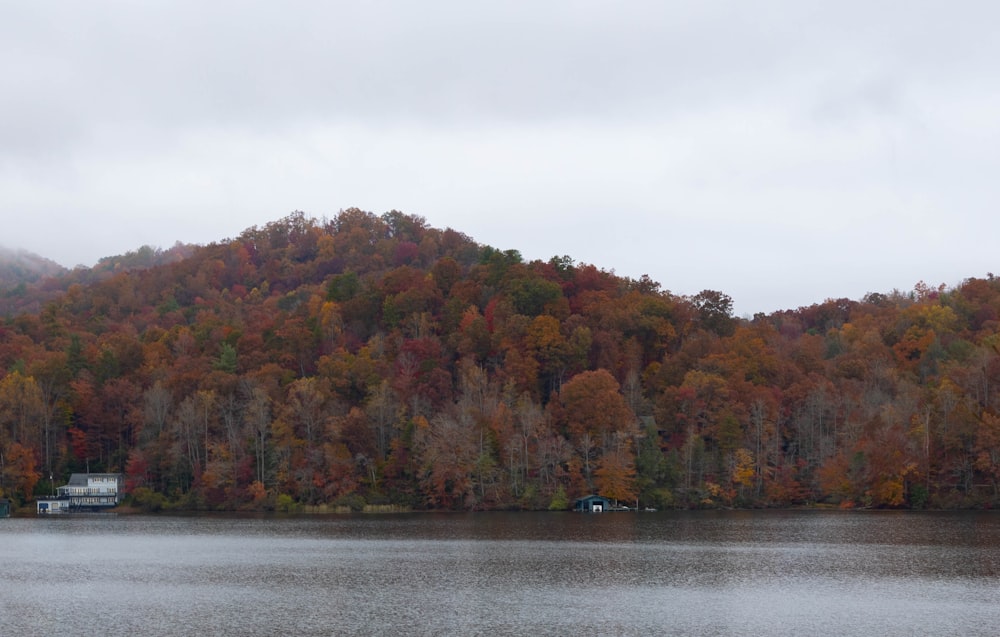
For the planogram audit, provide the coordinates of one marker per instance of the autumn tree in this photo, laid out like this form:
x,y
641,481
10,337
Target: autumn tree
x,y
448,448
596,419
22,411
18,473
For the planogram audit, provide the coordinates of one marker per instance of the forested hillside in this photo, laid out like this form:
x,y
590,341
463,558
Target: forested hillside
x,y
375,359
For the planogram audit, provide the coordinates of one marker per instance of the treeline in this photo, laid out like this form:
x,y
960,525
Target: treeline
x,y
374,359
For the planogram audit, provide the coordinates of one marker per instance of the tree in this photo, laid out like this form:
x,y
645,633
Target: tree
x,y
615,473
227,359
550,348
988,451
257,412
448,449
185,457
743,471
598,421
591,403
22,410
307,409
18,474
715,312
51,372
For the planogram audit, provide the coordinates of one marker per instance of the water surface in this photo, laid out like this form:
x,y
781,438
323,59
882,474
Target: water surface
x,y
668,573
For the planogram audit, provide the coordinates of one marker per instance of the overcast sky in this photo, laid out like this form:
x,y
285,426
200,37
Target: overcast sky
x,y
781,152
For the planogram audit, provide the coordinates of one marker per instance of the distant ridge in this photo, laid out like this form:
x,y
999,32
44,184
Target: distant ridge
x,y
28,280
19,266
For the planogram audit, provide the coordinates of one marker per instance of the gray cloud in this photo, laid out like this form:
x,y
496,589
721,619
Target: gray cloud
x,y
780,151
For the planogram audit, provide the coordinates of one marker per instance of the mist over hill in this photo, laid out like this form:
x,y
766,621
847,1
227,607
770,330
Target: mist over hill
x,y
20,266
27,280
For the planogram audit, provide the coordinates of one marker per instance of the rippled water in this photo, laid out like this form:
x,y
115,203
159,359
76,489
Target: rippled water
x,y
700,573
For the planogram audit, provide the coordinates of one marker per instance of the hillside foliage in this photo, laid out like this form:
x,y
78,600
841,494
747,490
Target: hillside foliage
x,y
374,359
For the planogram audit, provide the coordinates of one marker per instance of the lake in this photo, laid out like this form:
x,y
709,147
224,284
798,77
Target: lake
x,y
665,573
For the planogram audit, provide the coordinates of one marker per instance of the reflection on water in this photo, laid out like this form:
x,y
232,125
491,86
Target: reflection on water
x,y
697,573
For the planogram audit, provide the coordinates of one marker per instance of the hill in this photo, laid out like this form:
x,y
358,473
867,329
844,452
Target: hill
x,y
20,267
373,359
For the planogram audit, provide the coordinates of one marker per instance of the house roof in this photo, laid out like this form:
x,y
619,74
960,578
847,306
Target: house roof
x,y
81,479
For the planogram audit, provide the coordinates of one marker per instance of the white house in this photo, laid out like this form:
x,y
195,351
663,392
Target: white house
x,y
85,491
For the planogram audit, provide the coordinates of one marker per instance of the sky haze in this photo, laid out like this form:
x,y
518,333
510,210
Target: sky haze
x,y
781,152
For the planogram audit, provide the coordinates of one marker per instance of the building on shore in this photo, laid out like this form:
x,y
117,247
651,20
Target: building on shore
x,y
51,505
84,492
592,504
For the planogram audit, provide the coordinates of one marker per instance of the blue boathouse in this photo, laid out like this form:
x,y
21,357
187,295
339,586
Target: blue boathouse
x,y
592,504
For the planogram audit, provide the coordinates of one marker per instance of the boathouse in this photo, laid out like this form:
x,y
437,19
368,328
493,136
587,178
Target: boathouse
x,y
51,505
592,504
